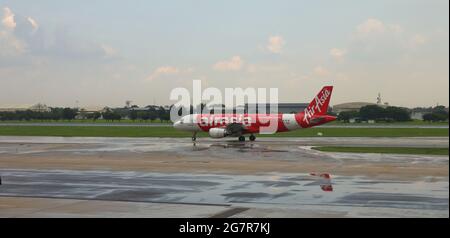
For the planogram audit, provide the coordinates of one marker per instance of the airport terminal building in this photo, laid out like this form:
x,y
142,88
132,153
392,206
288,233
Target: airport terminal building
x,y
282,107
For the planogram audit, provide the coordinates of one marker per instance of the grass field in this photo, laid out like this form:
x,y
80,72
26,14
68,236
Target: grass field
x,y
385,150
131,131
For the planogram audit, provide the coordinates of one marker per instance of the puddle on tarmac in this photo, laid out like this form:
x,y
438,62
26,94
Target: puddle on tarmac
x,y
286,189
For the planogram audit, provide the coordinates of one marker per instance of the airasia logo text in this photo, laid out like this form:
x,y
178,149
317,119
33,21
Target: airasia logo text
x,y
318,103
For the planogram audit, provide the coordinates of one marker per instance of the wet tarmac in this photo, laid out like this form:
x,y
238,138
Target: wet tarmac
x,y
155,143
267,178
294,149
259,191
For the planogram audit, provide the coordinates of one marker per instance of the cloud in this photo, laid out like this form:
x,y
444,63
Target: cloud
x,y
374,40
164,70
417,40
338,54
265,68
11,45
371,26
8,19
33,23
234,64
167,70
27,41
109,51
395,28
275,44
375,27
320,71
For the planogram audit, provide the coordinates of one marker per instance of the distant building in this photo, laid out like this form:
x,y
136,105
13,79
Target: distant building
x,y
39,108
92,109
155,107
83,113
12,109
418,112
282,107
138,109
35,108
269,108
351,106
355,106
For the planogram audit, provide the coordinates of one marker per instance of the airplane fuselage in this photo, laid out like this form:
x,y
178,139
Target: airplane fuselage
x,y
223,125
252,123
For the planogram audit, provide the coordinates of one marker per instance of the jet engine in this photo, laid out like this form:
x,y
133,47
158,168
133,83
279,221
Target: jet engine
x,y
218,132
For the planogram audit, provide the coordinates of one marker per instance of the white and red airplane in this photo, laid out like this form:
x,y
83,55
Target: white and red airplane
x,y
237,125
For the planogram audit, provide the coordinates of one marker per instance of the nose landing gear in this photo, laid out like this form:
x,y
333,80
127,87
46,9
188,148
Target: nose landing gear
x,y
194,137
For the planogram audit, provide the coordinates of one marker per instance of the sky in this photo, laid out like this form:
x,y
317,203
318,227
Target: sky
x,y
104,52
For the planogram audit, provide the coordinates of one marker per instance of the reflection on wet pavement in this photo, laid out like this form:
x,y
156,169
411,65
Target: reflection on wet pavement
x,y
258,190
325,181
91,168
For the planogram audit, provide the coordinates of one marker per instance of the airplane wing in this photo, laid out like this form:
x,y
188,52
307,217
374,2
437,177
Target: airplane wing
x,y
235,129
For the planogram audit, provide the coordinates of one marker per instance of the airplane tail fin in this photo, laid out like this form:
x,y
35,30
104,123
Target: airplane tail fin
x,y
316,112
319,105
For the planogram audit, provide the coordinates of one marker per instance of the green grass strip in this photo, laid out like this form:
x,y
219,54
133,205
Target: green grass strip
x,y
136,131
385,150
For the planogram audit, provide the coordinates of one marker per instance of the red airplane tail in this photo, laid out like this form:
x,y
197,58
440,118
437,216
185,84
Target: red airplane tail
x,y
316,112
319,105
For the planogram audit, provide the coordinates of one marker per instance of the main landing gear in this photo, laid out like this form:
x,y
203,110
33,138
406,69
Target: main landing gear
x,y
252,138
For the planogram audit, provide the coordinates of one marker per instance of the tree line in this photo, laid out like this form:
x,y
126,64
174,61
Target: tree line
x,y
52,114
151,114
391,114
376,113
108,114
370,112
438,113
